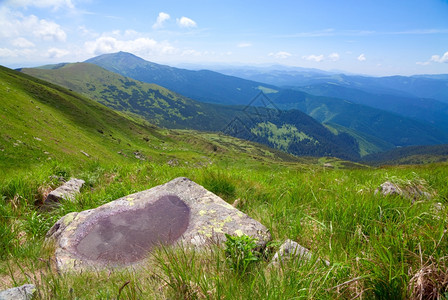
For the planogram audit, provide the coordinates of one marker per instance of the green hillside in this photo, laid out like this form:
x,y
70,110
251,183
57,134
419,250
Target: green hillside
x,y
163,107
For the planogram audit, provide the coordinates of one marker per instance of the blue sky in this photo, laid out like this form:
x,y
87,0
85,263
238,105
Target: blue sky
x,y
372,37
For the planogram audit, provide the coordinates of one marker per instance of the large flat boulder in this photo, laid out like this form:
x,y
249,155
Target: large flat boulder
x,y
122,233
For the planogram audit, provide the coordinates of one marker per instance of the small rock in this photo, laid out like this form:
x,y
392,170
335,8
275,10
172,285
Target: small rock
x,y
86,154
24,292
290,249
328,165
66,191
38,139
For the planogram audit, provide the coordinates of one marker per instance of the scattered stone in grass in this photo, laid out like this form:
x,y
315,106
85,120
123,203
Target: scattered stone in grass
x,y
173,162
38,139
139,155
24,292
408,190
236,202
328,165
86,154
66,191
121,233
292,250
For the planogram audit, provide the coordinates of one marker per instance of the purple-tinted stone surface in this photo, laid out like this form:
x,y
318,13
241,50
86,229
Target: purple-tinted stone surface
x,y
127,236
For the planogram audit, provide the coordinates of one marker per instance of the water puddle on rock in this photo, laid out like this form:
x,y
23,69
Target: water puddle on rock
x,y
127,236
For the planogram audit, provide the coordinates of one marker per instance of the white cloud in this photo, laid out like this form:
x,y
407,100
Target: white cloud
x,y
333,56
49,31
87,32
435,58
280,54
22,43
185,22
313,57
55,4
244,45
13,24
139,46
56,53
162,18
4,52
440,59
362,57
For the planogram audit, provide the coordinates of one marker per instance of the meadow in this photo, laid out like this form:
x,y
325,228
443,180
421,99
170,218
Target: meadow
x,y
376,245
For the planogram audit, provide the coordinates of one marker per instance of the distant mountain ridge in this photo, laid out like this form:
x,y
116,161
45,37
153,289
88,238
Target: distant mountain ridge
x,y
429,110
204,85
416,86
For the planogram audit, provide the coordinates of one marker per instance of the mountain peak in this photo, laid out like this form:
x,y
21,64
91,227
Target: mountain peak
x,y
118,60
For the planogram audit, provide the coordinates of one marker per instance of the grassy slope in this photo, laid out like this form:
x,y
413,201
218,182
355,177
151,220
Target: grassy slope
x,y
375,244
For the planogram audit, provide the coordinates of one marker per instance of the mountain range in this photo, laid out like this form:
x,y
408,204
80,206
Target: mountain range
x,y
292,131
208,100
368,120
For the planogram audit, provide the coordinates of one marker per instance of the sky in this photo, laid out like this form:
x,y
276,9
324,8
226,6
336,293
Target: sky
x,y
372,37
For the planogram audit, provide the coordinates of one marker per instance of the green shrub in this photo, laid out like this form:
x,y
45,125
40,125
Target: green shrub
x,y
240,253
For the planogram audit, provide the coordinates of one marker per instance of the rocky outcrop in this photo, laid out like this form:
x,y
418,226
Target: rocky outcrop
x,y
24,292
123,232
66,191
